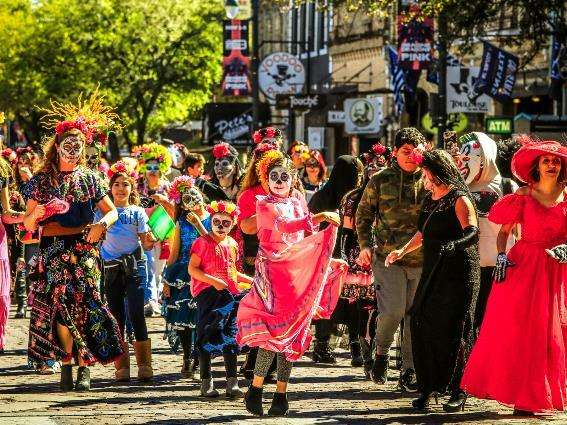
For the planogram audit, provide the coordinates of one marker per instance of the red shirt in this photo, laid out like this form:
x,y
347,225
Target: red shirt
x,y
218,260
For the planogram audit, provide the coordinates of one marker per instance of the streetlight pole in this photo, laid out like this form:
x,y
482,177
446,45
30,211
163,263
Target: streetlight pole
x,y
255,61
442,96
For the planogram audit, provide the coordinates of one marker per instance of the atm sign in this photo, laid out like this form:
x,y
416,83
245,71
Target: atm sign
x,y
499,125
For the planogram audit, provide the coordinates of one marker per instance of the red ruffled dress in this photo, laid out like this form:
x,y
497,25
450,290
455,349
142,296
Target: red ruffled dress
x,y
519,357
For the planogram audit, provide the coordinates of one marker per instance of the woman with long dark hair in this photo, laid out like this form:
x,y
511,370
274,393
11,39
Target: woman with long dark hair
x,y
442,315
314,175
68,316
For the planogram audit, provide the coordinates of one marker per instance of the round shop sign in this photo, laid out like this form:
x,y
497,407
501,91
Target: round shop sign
x,y
361,113
281,73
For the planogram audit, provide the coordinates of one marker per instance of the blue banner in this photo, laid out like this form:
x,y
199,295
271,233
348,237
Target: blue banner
x,y
557,68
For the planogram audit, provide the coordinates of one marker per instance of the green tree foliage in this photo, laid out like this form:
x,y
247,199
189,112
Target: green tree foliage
x,y
157,61
468,21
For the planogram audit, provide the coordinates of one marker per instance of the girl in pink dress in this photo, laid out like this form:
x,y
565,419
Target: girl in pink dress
x,y
295,280
215,287
520,356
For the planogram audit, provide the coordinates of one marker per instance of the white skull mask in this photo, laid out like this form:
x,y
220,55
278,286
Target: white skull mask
x,y
191,199
279,181
176,156
224,167
222,224
71,149
470,160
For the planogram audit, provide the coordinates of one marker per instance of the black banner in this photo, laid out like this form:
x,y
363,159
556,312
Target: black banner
x,y
558,68
497,74
236,61
299,102
415,41
231,122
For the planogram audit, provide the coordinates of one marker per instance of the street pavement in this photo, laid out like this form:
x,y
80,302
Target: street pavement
x,y
319,394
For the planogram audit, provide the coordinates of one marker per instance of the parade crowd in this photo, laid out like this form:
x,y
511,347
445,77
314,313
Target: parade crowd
x,y
460,250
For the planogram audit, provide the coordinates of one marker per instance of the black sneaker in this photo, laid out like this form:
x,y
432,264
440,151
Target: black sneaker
x,y
408,381
379,371
322,353
355,354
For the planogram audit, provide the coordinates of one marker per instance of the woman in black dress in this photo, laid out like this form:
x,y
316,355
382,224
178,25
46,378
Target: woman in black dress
x,y
442,315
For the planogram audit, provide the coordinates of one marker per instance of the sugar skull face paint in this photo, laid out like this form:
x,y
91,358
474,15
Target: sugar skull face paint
x,y
191,199
224,167
93,157
222,224
71,149
279,181
470,161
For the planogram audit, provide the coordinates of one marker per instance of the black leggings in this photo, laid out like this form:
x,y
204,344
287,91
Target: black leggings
x,y
118,287
205,364
346,313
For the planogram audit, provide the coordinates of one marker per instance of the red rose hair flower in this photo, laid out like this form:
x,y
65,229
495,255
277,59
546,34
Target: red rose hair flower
x,y
378,149
10,156
267,133
221,150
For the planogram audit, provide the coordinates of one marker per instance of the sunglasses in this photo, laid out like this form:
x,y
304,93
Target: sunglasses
x,y
312,164
224,223
152,167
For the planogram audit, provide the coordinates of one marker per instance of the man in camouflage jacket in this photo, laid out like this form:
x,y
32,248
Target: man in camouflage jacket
x,y
386,218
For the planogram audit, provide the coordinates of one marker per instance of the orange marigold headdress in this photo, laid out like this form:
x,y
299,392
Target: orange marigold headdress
x,y
225,207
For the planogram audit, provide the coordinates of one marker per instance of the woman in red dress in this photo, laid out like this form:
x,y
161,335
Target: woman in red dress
x,y
519,358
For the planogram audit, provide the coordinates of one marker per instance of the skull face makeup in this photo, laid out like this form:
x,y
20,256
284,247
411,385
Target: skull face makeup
x,y
177,156
279,181
191,199
224,167
222,224
93,157
71,149
470,161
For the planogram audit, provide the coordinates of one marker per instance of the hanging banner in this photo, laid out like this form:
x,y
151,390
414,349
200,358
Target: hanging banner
x,y
229,122
415,40
461,93
363,116
497,73
236,60
557,68
281,73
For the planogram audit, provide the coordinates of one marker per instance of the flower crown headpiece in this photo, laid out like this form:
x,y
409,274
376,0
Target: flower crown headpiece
x,y
265,162
225,207
262,148
221,150
91,117
10,156
179,186
121,167
267,133
152,152
23,151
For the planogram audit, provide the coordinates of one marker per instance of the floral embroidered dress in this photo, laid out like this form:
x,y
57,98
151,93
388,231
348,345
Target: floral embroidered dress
x,y
65,276
520,356
296,279
180,309
5,279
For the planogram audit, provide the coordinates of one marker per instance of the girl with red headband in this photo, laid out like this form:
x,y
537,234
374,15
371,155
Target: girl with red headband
x,y
520,356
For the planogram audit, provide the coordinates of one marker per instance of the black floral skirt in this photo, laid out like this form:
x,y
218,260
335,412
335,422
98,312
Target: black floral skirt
x,y
64,282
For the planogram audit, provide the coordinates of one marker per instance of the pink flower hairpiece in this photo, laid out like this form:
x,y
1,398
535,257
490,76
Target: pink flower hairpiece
x,y
417,154
121,167
80,124
228,208
378,149
221,150
180,185
10,156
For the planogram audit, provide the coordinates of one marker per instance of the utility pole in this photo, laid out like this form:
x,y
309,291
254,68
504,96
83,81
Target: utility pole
x,y
442,96
255,61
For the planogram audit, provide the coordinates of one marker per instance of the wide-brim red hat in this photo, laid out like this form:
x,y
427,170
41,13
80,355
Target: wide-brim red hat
x,y
523,159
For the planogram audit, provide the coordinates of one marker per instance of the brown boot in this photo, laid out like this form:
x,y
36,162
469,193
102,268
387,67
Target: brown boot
x,y
122,365
143,350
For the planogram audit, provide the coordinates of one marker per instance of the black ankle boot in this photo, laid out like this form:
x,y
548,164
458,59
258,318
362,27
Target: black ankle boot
x,y
280,405
355,354
322,353
422,403
20,311
253,401
379,371
66,382
83,382
456,402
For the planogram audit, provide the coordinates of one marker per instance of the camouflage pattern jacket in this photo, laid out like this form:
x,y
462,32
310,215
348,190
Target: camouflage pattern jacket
x,y
387,214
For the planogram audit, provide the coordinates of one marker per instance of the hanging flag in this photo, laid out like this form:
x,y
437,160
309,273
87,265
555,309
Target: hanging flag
x,y
397,80
415,39
236,60
497,73
557,68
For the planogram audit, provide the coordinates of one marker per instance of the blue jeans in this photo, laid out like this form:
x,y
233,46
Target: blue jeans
x,y
148,278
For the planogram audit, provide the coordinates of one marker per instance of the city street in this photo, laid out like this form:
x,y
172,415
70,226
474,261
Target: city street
x,y
319,394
